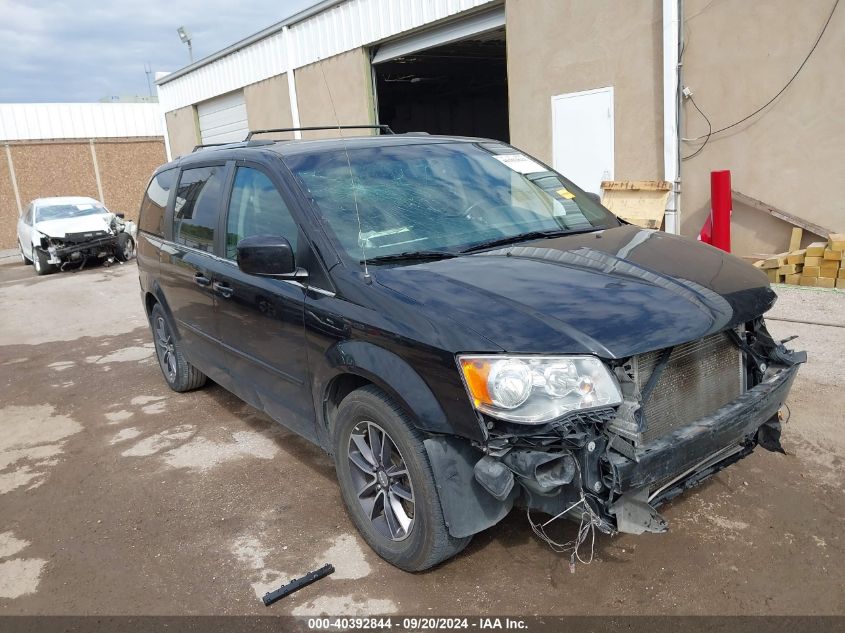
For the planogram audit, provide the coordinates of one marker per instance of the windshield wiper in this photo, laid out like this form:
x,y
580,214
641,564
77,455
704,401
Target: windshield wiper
x,y
531,235
410,255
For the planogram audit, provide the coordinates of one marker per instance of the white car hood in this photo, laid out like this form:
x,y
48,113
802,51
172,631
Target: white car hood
x,y
58,228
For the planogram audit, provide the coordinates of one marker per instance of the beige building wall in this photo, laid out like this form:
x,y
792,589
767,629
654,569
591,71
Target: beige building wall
x,y
561,46
126,166
182,130
66,168
63,168
343,79
791,155
268,105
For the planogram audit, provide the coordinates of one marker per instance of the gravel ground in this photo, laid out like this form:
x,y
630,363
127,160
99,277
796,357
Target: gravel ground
x,y
118,496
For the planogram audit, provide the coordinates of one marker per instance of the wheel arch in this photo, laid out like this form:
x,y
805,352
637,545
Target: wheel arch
x,y
467,507
154,296
350,365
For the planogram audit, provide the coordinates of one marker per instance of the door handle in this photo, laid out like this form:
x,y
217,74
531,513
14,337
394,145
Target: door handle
x,y
202,280
223,289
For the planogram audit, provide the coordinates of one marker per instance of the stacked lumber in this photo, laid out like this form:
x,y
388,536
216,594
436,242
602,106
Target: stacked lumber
x,y
818,265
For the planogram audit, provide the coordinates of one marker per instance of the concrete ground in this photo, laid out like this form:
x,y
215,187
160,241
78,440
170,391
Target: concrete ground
x,y
118,496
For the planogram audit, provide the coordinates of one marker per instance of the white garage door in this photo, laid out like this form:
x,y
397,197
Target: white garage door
x,y
453,31
582,137
223,119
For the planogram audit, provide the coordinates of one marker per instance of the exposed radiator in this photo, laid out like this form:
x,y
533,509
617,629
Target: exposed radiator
x,y
699,378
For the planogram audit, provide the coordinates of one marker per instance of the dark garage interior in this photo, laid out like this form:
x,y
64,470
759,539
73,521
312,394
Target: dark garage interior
x,y
459,88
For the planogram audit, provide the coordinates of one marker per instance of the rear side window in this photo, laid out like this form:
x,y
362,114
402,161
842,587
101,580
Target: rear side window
x,y
256,208
197,202
155,201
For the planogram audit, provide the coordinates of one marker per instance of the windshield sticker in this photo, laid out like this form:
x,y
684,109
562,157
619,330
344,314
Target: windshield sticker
x,y
84,207
563,192
520,163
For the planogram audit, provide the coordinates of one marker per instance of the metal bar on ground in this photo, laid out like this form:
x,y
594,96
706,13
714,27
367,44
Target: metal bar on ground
x,y
297,584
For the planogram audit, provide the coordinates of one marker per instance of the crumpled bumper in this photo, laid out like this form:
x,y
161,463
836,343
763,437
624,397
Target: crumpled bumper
x,y
107,241
736,424
623,490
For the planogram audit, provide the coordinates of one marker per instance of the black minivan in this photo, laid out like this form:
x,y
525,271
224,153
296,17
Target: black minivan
x,y
462,329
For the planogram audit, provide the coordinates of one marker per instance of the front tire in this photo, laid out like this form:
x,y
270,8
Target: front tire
x,y
125,247
179,374
387,485
40,263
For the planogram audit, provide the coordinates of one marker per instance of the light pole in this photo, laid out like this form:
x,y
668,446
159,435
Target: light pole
x,y
186,39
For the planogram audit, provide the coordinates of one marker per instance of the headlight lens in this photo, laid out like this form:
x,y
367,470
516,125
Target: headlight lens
x,y
509,384
536,389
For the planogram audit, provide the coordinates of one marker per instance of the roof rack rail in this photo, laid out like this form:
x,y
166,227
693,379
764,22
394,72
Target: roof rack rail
x,y
204,145
384,129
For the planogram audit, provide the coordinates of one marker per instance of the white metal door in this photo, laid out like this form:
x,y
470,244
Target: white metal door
x,y
223,119
582,137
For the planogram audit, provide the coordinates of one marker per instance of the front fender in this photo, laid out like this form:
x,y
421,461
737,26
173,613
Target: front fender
x,y
390,373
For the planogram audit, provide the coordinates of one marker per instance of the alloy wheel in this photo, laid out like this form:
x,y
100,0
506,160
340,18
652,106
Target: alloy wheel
x,y
383,487
165,349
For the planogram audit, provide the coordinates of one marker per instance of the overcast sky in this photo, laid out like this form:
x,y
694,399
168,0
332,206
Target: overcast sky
x,y
80,50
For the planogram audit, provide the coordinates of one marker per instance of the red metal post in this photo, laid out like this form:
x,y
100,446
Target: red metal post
x,y
721,205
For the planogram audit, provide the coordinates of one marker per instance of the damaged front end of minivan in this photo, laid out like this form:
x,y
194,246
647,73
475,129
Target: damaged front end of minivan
x,y
679,415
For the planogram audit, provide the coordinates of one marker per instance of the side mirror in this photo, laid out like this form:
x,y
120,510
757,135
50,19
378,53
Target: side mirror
x,y
593,196
120,215
268,256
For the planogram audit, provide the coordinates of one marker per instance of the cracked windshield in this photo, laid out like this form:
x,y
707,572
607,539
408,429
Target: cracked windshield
x,y
439,197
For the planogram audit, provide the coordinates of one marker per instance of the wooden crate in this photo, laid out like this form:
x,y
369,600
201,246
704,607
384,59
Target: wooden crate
x,y
640,202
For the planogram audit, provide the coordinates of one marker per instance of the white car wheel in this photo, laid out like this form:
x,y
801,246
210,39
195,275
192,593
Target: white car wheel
x,y
39,261
125,247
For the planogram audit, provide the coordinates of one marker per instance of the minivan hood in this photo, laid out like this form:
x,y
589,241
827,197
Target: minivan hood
x,y
59,228
614,293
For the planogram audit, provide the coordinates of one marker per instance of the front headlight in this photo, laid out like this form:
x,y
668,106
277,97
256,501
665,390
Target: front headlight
x,y
536,389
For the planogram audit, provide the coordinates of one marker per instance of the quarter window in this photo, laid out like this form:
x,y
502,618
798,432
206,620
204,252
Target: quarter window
x,y
256,208
195,210
155,201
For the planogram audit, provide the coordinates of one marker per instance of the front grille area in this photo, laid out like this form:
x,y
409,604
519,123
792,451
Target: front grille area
x,y
87,236
699,378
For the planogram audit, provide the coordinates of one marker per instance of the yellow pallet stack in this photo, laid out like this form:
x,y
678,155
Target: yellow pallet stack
x,y
819,265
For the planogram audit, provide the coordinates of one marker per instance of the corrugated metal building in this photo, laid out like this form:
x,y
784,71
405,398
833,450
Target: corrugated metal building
x,y
105,151
591,87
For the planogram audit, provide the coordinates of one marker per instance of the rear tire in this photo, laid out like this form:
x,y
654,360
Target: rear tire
x,y
368,413
39,262
179,374
26,260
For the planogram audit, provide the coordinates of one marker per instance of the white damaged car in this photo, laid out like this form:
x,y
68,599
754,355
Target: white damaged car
x,y
57,232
